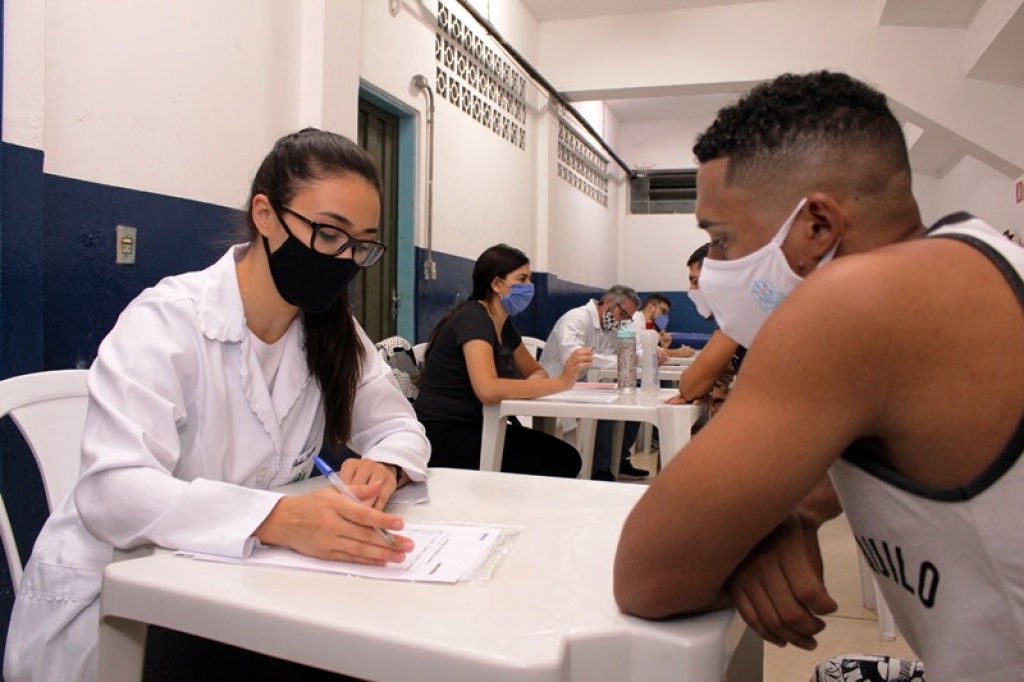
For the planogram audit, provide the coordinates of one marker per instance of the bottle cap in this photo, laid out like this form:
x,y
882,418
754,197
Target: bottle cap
x,y
625,332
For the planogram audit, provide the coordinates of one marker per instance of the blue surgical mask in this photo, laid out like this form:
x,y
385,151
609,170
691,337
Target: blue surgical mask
x,y
519,296
661,321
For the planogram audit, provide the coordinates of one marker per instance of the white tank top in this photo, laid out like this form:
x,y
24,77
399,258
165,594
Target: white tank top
x,y
950,562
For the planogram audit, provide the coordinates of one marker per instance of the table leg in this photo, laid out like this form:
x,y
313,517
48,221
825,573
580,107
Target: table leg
x,y
674,426
586,430
492,440
648,435
548,425
122,649
617,436
747,662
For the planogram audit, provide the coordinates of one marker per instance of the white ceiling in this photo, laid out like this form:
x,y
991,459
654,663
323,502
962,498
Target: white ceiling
x,y
933,152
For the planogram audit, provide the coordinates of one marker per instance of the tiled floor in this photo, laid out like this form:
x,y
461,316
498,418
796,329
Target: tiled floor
x,y
852,629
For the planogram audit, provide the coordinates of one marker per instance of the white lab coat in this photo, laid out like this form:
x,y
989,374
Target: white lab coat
x,y
182,441
578,328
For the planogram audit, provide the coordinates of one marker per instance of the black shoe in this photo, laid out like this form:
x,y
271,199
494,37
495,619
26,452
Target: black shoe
x,y
627,470
602,476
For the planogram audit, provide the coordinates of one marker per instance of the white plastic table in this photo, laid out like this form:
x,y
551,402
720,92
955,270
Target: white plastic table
x,y
545,614
674,423
666,372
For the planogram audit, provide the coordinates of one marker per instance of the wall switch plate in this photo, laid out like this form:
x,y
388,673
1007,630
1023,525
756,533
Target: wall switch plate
x,y
126,244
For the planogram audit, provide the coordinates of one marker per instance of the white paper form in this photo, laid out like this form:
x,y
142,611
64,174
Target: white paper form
x,y
443,553
583,394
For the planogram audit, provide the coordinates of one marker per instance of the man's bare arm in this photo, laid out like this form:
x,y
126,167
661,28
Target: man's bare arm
x,y
800,399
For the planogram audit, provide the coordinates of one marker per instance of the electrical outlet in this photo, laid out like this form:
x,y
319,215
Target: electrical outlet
x,y
126,245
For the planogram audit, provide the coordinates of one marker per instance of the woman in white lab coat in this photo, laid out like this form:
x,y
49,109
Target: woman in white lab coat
x,y
216,386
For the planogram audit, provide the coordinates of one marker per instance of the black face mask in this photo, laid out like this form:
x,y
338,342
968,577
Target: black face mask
x,y
308,280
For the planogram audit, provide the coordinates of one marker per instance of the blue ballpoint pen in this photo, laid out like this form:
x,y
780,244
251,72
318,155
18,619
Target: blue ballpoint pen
x,y
336,481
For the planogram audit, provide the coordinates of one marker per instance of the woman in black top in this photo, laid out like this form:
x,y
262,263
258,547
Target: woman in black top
x,y
476,356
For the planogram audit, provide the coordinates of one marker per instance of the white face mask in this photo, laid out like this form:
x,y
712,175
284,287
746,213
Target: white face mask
x,y
742,293
697,298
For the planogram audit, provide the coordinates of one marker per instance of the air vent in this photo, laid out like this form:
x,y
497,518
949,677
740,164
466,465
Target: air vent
x,y
664,191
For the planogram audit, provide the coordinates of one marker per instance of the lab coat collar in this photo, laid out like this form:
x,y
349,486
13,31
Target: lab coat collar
x,y
220,311
222,318
595,317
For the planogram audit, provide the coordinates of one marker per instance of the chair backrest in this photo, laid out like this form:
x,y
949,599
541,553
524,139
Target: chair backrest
x,y
49,410
534,345
419,351
398,354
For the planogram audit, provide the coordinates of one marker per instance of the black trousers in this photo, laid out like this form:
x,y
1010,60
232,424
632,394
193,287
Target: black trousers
x,y
456,445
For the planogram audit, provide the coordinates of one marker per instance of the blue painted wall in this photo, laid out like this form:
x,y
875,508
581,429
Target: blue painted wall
x,y
21,268
61,291
85,290
454,283
553,297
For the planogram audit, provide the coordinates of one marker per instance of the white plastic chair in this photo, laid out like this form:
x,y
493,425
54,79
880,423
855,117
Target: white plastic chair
x,y
419,351
49,410
872,598
534,345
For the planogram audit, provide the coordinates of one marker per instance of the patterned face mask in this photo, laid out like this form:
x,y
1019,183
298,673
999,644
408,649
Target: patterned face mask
x,y
742,293
609,322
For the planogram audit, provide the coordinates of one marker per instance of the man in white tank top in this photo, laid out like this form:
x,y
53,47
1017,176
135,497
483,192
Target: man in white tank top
x,y
897,371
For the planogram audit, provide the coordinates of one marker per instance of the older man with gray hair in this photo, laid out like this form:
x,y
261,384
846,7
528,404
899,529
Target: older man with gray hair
x,y
594,325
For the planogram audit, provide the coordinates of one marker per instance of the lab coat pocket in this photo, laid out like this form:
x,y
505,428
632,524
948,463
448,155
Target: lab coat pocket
x,y
300,467
65,589
51,611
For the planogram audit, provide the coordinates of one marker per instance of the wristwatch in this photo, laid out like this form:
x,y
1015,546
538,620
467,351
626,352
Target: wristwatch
x,y
399,474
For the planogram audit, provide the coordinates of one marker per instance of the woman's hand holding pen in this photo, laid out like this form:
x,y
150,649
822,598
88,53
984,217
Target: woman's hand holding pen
x,y
356,471
327,525
578,361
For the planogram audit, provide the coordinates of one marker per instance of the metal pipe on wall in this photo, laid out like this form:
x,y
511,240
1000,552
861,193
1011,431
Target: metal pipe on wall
x,y
429,266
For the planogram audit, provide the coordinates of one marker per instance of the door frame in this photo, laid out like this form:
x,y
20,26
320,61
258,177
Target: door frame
x,y
405,264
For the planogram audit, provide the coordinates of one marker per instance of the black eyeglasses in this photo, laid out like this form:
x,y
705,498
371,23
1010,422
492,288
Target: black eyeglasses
x,y
623,313
331,240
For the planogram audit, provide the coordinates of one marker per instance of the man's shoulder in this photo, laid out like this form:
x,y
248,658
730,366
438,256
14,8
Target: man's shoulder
x,y
942,261
578,313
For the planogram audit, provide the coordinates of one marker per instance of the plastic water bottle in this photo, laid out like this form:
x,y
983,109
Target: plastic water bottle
x,y
649,362
625,356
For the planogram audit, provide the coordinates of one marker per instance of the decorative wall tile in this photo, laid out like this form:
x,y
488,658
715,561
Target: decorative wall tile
x,y
581,166
478,80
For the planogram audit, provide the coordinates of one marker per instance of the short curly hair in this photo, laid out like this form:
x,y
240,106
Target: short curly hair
x,y
793,121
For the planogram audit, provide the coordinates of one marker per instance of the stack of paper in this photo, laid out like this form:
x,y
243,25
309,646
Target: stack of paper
x,y
444,553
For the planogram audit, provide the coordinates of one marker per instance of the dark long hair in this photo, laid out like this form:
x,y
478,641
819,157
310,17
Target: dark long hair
x,y
497,261
334,353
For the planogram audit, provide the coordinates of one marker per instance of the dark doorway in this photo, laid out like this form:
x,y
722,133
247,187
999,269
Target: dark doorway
x,y
375,292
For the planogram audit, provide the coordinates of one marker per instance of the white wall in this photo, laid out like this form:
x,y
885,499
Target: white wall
x,y
584,236
656,247
167,98
184,99
974,187
483,185
921,69
24,102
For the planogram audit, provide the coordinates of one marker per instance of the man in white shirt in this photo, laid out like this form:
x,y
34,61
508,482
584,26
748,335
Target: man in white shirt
x,y
653,314
594,325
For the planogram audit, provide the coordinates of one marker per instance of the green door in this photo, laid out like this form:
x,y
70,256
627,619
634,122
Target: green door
x,y
374,293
